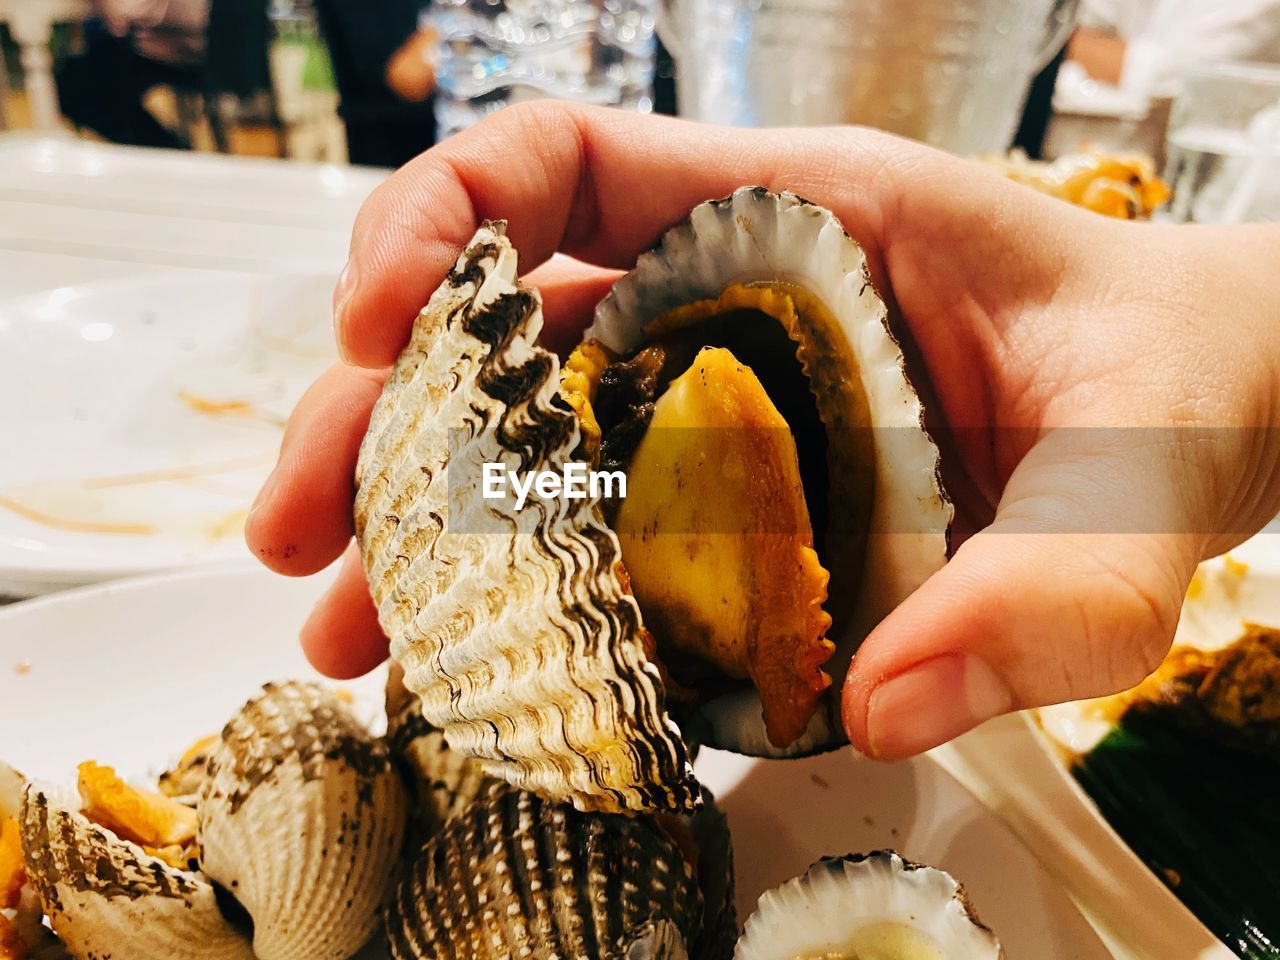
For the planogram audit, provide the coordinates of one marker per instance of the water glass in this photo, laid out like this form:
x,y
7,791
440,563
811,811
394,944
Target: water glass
x,y
495,52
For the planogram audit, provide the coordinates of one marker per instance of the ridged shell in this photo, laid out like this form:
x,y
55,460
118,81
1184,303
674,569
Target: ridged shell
x,y
512,628
444,782
657,940
710,829
106,897
185,778
823,912
516,876
302,820
755,235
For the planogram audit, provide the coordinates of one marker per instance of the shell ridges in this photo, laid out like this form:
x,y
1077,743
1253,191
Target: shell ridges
x,y
513,629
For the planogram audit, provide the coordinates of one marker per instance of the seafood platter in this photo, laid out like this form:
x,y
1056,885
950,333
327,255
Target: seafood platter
x,y
538,774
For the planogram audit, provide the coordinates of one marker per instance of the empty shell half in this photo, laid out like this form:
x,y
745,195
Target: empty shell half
x,y
873,905
521,641
782,496
517,876
302,818
107,897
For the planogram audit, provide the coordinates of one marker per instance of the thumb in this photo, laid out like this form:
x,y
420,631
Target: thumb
x,y
1074,591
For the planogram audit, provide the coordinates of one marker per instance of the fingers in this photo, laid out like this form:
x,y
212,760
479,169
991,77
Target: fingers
x,y
598,184
301,520
570,291
342,638
1073,592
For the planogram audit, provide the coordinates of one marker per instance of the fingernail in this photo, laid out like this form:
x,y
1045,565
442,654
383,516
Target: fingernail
x,y
261,500
931,703
342,295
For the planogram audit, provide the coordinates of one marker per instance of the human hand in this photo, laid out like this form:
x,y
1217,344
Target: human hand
x,y
410,72
1104,388
1101,54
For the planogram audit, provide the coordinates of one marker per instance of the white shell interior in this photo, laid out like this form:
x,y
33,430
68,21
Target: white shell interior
x,y
756,235
831,910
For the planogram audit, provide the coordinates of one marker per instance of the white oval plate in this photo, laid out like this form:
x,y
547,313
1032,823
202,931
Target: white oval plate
x,y
138,417
131,673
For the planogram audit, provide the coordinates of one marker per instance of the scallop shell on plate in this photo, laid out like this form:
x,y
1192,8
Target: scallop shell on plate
x,y
302,817
867,905
299,826
107,897
520,629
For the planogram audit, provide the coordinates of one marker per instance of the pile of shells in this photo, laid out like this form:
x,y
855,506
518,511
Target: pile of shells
x,y
301,819
503,873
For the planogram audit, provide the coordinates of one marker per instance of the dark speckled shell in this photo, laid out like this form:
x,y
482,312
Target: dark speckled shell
x,y
518,877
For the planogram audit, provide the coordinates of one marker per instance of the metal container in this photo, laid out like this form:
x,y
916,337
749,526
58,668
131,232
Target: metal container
x,y
953,73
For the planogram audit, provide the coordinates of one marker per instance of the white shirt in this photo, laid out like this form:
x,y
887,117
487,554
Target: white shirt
x,y
1165,38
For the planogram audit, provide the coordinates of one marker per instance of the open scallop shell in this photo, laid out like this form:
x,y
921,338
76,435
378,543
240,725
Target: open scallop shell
x,y
106,897
876,904
301,820
518,876
513,626
754,235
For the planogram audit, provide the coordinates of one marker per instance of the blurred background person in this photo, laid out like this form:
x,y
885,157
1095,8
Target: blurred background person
x,y
135,45
1146,47
1128,58
382,61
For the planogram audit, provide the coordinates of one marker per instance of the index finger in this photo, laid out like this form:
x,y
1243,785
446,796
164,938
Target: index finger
x,y
598,184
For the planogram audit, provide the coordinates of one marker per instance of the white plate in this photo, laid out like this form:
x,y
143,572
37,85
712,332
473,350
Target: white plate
x,y
138,417
1058,820
64,171
131,673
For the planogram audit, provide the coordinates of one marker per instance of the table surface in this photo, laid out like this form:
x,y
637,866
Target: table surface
x,y
72,211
